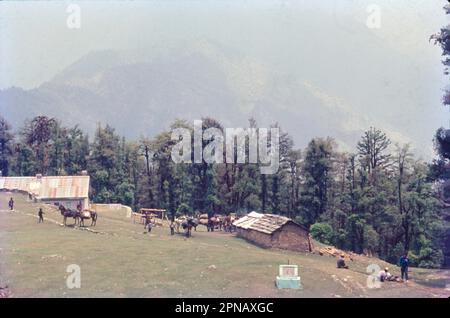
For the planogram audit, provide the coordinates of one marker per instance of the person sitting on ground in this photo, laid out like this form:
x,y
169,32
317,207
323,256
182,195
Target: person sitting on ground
x,y
384,275
341,262
387,276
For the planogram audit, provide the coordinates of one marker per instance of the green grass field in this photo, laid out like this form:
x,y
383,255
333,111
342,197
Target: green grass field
x,y
121,261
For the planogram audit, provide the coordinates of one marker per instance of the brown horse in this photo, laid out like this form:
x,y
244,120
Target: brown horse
x,y
203,219
68,213
228,223
215,222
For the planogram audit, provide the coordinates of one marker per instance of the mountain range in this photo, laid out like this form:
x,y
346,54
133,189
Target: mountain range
x,y
140,96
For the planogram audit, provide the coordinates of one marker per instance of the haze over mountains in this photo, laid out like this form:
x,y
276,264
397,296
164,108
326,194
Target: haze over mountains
x,y
143,96
317,70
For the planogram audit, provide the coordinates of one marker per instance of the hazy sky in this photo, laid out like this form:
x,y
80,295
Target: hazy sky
x,y
36,43
324,44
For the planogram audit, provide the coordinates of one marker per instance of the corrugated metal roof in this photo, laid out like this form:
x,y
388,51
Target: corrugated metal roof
x,y
265,223
59,187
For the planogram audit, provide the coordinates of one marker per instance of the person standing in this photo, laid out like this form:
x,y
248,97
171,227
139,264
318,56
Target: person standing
x,y
11,204
172,228
404,264
148,225
41,216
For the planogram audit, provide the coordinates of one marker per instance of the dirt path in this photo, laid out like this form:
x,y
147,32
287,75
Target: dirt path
x,y
47,219
436,283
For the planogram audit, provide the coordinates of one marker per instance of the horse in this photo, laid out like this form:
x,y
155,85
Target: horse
x,y
188,224
215,222
93,218
228,223
178,222
88,214
202,219
195,222
68,213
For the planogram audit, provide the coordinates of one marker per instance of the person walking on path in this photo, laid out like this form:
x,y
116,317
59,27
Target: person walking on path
x,y
11,204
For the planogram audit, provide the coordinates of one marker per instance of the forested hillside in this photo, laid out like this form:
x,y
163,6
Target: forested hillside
x,y
378,199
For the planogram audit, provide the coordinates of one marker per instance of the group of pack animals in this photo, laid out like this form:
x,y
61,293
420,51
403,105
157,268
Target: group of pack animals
x,y
78,215
215,222
187,223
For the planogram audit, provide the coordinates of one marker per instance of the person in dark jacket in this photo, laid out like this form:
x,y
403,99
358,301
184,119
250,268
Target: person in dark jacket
x,y
146,224
11,204
341,262
41,216
404,264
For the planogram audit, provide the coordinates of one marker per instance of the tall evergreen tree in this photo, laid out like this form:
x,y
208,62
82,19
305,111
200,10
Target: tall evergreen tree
x,y
317,168
372,150
37,134
6,147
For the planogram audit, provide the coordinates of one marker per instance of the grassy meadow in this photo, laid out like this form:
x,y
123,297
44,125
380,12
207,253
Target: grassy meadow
x,y
118,259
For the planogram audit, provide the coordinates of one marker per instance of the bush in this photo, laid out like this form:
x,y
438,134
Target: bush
x,y
322,232
426,254
430,258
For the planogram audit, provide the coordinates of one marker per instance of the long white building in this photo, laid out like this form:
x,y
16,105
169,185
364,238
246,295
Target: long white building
x,y
67,190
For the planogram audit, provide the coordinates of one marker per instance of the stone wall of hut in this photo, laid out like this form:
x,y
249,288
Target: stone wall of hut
x,y
259,238
292,237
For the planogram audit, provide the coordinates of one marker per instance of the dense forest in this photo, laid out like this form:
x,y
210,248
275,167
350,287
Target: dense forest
x,y
377,200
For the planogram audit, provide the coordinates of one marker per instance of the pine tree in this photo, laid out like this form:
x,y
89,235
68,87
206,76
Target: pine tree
x,y
6,147
37,134
317,169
